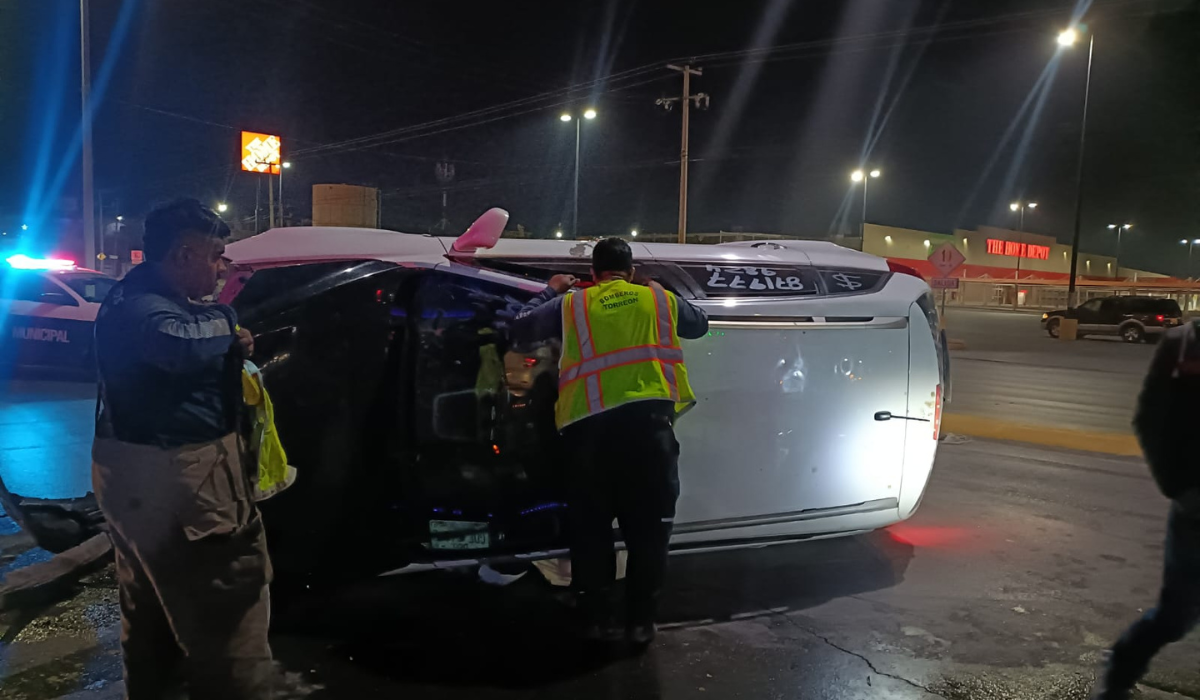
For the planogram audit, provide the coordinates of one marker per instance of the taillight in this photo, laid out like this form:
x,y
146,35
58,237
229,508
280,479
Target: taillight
x,y
903,269
937,413
1160,318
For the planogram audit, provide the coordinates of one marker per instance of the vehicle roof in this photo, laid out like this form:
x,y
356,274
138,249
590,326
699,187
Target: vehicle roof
x,y
311,243
339,243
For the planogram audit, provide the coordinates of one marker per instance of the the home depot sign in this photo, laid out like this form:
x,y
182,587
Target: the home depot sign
x,y
996,246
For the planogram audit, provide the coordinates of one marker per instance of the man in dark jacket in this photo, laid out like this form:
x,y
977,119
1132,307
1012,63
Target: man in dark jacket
x,y
1168,412
168,470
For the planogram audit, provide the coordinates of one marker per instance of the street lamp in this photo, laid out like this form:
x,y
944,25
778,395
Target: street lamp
x,y
1019,207
222,207
1190,244
1119,228
633,233
588,114
558,234
1067,39
864,178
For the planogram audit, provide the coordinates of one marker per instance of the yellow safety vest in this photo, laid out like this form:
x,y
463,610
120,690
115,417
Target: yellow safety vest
x,y
274,473
620,345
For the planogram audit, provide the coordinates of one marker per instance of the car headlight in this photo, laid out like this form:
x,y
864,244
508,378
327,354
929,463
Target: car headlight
x,y
1045,316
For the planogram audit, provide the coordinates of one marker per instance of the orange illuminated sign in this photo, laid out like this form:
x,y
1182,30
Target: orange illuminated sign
x,y
260,152
1013,249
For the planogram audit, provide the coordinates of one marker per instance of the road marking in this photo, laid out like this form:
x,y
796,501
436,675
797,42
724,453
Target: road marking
x,y
1121,444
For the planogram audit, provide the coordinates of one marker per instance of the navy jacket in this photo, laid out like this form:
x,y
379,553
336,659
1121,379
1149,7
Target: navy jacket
x,y
167,374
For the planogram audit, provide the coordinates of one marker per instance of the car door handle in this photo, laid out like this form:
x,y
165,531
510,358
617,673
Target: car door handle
x,y
888,415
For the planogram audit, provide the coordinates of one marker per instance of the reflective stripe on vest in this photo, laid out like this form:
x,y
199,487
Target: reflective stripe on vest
x,y
663,352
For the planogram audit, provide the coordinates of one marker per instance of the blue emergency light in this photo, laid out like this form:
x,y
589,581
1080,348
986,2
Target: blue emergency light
x,y
20,261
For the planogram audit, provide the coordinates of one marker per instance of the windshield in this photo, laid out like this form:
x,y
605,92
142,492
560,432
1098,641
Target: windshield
x,y
92,288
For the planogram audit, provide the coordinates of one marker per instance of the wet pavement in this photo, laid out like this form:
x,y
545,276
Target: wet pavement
x,y
1012,371
1021,566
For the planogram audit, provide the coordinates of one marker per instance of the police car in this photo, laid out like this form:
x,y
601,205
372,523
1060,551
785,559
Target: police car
x,y
48,308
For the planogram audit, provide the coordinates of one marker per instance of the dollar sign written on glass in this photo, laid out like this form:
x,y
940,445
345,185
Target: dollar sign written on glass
x,y
850,282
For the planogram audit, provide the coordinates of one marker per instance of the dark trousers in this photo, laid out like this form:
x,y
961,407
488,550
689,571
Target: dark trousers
x,y
192,569
624,464
1178,610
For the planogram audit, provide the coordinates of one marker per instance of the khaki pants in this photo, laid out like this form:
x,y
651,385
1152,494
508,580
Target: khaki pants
x,y
192,568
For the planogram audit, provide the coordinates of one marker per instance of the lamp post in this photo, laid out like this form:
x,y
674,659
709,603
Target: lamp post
x,y
588,114
1020,208
1119,228
1066,39
864,178
284,166
1190,244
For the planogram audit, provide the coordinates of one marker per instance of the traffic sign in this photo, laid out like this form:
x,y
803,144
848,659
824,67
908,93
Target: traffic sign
x,y
943,283
946,259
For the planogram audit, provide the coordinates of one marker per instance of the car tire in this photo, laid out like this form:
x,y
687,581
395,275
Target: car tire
x,y
1132,333
1052,327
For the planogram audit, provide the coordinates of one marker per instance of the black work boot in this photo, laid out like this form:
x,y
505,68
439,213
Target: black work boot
x,y
595,620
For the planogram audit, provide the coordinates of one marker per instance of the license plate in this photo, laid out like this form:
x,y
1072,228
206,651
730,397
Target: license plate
x,y
458,534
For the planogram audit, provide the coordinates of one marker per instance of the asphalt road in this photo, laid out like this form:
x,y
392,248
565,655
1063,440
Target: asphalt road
x,y
1013,371
1020,567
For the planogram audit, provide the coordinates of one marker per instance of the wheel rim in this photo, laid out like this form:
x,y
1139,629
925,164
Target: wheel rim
x,y
1132,334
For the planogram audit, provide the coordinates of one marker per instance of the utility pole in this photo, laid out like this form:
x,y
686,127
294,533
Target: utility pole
x,y
701,100
85,89
270,200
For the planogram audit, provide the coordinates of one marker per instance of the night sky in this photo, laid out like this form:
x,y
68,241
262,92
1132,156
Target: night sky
x,y
924,90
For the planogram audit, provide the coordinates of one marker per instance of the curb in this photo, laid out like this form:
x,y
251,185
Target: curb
x,y
1119,444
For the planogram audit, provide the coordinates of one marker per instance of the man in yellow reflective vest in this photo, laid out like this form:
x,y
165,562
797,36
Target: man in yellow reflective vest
x,y
622,382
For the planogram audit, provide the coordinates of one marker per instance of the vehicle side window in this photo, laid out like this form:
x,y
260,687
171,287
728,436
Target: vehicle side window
x,y
38,289
272,282
462,368
1112,306
1091,306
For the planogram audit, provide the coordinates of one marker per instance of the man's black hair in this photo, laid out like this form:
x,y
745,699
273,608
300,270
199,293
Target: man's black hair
x,y
168,222
612,255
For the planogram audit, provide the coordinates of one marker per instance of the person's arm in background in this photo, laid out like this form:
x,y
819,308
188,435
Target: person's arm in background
x,y
179,341
541,318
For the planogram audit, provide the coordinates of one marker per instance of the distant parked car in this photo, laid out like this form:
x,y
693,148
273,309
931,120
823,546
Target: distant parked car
x,y
1134,319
